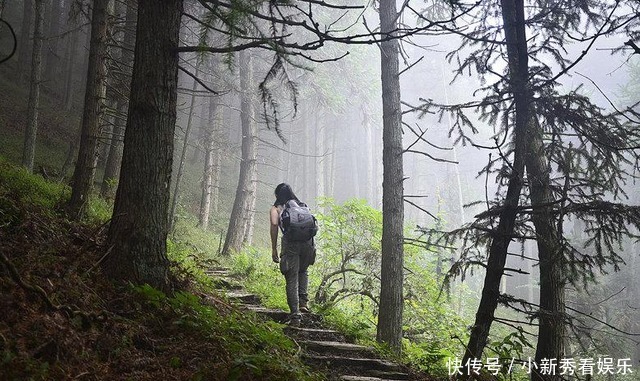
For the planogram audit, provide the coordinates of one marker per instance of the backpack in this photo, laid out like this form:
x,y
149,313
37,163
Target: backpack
x,y
296,221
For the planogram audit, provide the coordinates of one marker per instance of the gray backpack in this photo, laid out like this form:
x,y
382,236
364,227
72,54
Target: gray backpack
x,y
297,222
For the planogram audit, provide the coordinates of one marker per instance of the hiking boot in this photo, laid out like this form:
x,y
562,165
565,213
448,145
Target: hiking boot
x,y
304,308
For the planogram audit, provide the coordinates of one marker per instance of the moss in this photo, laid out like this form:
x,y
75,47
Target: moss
x,y
28,188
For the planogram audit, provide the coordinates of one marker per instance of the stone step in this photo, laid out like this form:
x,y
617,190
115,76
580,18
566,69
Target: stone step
x,y
279,316
226,284
219,273
335,348
218,268
376,375
365,378
318,334
363,366
243,297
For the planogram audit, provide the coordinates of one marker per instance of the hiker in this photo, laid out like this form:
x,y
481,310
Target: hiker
x,y
298,227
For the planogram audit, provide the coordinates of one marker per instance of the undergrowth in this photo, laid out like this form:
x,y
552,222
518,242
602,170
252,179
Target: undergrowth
x,y
115,332
344,283
260,350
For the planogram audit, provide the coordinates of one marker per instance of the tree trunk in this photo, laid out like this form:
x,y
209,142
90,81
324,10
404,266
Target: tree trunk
x,y
29,150
137,238
51,58
304,189
551,332
331,139
319,152
389,328
70,57
456,169
112,168
114,158
25,36
513,18
85,170
251,213
245,192
354,158
183,152
370,159
211,165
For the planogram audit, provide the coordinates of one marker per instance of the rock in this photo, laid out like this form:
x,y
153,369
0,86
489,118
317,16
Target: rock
x,y
244,298
335,348
365,364
302,333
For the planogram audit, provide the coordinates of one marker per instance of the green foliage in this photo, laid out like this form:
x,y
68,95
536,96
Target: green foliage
x,y
348,258
345,318
188,264
206,243
99,210
433,323
344,285
19,188
512,345
350,239
262,276
28,188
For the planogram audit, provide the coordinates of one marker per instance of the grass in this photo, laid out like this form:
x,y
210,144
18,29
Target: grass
x,y
31,189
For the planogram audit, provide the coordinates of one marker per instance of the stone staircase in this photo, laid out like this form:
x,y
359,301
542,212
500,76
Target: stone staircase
x,y
322,348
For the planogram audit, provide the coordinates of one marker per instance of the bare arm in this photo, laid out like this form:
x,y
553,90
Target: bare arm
x,y
274,218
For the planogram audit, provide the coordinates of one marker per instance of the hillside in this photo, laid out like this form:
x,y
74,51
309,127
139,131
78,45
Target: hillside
x,y
62,319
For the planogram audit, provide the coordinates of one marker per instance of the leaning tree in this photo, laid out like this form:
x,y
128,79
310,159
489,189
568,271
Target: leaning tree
x,y
558,158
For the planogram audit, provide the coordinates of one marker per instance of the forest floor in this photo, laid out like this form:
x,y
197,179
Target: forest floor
x,y
62,319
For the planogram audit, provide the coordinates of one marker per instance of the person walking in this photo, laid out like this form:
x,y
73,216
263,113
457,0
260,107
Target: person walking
x,y
291,216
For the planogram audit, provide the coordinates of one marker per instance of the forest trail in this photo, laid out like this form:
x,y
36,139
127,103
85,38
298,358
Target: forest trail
x,y
323,349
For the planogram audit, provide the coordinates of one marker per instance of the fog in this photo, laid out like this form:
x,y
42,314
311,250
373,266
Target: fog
x,y
319,128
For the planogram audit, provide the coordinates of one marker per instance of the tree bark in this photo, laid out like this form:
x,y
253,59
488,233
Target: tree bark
x,y
211,166
112,168
514,27
137,238
25,36
370,160
70,57
551,322
51,58
183,152
330,162
245,191
319,152
85,169
389,327
114,157
354,158
29,149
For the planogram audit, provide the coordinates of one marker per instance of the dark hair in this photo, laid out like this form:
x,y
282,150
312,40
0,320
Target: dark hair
x,y
283,194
